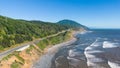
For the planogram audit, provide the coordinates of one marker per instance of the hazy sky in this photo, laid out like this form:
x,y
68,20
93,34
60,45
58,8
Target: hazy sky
x,y
92,13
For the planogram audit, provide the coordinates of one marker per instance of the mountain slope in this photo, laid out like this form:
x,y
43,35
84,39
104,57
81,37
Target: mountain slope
x,y
71,24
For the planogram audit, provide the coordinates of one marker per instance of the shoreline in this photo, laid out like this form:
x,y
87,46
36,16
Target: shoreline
x,y
49,52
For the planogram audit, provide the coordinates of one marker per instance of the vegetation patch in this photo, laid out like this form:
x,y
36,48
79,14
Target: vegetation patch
x,y
43,43
7,57
16,64
20,58
54,40
30,49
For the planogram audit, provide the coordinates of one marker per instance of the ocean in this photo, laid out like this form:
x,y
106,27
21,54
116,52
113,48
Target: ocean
x,y
98,48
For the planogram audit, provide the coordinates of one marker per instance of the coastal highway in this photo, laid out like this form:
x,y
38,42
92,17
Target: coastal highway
x,y
7,52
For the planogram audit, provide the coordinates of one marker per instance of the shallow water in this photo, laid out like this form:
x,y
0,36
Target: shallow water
x,y
96,49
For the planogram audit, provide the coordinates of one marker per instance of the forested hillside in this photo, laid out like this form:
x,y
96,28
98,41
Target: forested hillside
x,y
14,31
71,24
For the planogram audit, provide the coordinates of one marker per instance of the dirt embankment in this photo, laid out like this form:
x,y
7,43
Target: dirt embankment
x,y
21,59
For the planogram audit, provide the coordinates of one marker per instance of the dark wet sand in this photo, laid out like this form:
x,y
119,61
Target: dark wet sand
x,y
61,59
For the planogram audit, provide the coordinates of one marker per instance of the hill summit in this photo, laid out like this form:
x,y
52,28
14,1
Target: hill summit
x,y
71,23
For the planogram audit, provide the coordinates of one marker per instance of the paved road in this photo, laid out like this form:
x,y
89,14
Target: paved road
x,y
7,52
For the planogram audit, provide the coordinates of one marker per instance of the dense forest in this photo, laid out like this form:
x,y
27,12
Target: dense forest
x,y
14,31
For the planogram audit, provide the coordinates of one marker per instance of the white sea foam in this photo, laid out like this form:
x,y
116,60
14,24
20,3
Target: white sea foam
x,y
89,48
97,60
89,55
95,51
90,31
93,45
69,58
113,65
72,53
91,59
84,32
72,61
107,44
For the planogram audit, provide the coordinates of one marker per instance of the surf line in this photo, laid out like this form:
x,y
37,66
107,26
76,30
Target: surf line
x,y
87,55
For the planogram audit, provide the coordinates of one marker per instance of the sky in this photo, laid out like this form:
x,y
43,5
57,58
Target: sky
x,y
92,13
